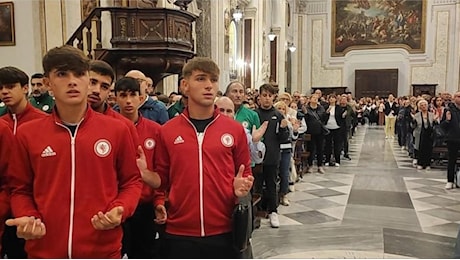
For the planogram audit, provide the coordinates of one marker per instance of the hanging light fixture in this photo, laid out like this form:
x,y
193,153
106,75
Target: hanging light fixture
x,y
271,35
292,47
237,14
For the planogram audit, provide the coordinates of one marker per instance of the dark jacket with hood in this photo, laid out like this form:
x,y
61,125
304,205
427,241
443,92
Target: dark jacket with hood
x,y
274,134
452,127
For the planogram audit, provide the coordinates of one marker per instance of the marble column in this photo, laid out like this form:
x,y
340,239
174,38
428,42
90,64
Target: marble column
x,y
203,29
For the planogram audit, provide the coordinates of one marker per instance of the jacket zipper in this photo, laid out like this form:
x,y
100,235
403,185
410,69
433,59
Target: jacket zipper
x,y
72,185
200,139
15,123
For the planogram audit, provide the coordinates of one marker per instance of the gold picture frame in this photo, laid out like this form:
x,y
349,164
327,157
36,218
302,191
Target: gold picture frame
x,y
378,24
7,32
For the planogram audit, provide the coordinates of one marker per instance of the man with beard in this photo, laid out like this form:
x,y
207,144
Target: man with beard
x,y
40,97
179,106
101,76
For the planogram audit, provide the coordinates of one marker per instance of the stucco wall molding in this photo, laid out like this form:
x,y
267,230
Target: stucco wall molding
x,y
446,2
311,7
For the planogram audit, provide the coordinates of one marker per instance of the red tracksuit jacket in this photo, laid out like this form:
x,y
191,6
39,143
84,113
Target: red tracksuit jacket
x,y
148,131
198,170
132,129
6,143
65,180
15,120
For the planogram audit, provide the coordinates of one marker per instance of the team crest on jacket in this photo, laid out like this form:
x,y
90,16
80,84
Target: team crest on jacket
x,y
227,140
149,143
102,147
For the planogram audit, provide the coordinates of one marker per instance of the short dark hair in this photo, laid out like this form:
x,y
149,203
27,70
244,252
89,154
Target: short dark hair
x,y
267,87
127,84
65,58
102,68
13,75
231,84
36,76
204,64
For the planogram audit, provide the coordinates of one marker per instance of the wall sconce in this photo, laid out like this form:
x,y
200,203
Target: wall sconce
x,y
237,14
271,35
291,47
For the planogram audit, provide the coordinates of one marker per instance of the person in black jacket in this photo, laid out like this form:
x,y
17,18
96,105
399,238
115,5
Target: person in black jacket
x,y
451,124
335,122
277,130
315,118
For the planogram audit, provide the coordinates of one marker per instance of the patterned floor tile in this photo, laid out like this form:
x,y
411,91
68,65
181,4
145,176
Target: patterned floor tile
x,y
429,221
426,229
341,199
343,189
319,203
300,195
294,207
419,205
336,212
447,214
329,184
326,192
311,217
436,200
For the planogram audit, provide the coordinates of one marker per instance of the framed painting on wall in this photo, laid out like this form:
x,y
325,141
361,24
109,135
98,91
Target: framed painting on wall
x,y
378,24
87,6
7,33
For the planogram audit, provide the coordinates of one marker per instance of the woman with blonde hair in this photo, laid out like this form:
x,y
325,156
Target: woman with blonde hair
x,y
286,151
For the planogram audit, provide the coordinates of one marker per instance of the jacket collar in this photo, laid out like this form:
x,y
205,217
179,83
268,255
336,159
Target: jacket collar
x,y
89,113
215,113
26,111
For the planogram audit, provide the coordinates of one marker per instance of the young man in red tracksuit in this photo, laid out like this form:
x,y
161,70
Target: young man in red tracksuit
x,y
6,142
14,85
73,182
13,91
140,230
101,77
203,160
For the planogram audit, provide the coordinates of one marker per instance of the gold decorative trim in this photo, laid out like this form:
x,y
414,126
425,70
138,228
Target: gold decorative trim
x,y
64,22
41,14
377,46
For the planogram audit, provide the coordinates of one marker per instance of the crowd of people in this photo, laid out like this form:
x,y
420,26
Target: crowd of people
x,y
426,127
97,167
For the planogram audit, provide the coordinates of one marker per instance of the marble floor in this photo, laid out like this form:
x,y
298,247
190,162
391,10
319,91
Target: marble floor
x,y
374,206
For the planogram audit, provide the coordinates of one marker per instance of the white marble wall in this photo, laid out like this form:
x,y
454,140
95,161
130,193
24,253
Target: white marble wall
x,y
438,64
321,76
26,54
437,72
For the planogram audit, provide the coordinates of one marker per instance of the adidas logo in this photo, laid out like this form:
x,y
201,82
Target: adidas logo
x,y
48,152
179,140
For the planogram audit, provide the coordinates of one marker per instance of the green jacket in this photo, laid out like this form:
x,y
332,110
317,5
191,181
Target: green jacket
x,y
3,109
176,109
44,102
247,117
